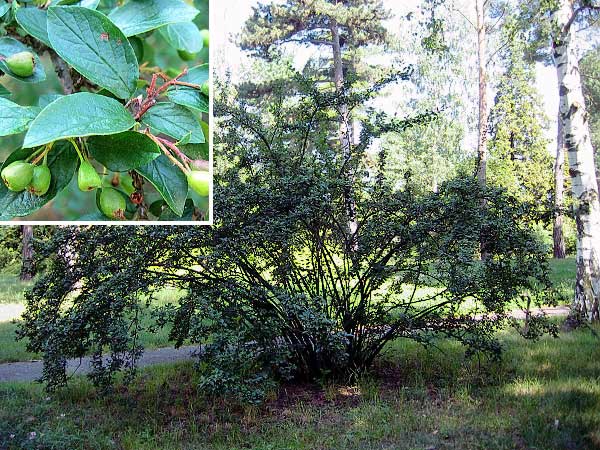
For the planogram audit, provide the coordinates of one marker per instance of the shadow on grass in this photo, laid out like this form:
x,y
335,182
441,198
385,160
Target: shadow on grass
x,y
543,395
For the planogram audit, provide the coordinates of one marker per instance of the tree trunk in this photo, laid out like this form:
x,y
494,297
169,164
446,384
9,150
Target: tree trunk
x,y
559,175
481,170
581,168
345,133
483,103
28,262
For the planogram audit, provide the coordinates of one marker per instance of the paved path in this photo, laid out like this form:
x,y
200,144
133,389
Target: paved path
x,y
32,370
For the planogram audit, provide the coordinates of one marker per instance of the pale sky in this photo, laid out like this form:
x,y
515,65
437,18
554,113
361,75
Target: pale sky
x,y
230,16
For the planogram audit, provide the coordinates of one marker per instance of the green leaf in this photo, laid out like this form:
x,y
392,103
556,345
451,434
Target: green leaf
x,y
82,114
197,75
192,98
139,16
4,7
14,118
183,36
4,92
10,46
92,4
168,180
188,96
187,215
95,47
198,151
173,120
124,151
34,21
62,161
46,99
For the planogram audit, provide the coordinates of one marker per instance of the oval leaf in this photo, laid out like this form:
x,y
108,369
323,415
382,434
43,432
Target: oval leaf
x,y
175,121
95,47
14,118
82,114
192,98
183,36
188,96
34,21
10,46
168,180
139,16
62,161
123,151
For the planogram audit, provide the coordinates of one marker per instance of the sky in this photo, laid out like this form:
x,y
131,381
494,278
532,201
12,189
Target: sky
x,y
230,16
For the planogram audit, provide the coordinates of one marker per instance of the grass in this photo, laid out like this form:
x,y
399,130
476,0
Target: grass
x,y
562,274
543,395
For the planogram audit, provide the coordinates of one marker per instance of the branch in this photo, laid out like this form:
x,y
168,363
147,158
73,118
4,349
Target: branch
x,y
63,72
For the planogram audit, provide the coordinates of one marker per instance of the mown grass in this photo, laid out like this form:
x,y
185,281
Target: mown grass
x,y
543,395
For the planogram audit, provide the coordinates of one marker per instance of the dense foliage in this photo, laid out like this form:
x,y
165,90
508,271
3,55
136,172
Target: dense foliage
x,y
137,120
276,289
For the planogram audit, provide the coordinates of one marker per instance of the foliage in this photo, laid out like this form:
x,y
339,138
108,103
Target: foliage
x,y
519,160
590,70
274,290
112,95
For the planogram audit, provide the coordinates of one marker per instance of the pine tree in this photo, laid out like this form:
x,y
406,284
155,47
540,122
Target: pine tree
x,y
519,159
340,28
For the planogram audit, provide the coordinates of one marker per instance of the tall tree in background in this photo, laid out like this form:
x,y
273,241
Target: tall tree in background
x,y
481,7
28,260
519,160
590,77
338,27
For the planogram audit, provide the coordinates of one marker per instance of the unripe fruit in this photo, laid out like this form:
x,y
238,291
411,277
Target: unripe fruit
x,y
112,204
205,37
21,64
199,181
40,183
186,56
205,88
17,175
87,178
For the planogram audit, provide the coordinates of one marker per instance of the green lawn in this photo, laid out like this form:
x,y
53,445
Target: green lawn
x,y
544,395
563,277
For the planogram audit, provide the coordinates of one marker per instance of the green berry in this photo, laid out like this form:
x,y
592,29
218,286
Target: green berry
x,y
199,181
112,204
186,56
21,64
40,183
17,175
87,178
205,88
205,37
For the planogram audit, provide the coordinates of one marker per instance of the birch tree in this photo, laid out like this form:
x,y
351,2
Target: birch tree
x,y
578,143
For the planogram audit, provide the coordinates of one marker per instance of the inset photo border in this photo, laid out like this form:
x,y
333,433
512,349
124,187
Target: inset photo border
x,y
105,111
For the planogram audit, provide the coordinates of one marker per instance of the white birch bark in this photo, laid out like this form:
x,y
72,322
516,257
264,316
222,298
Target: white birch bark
x,y
581,165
